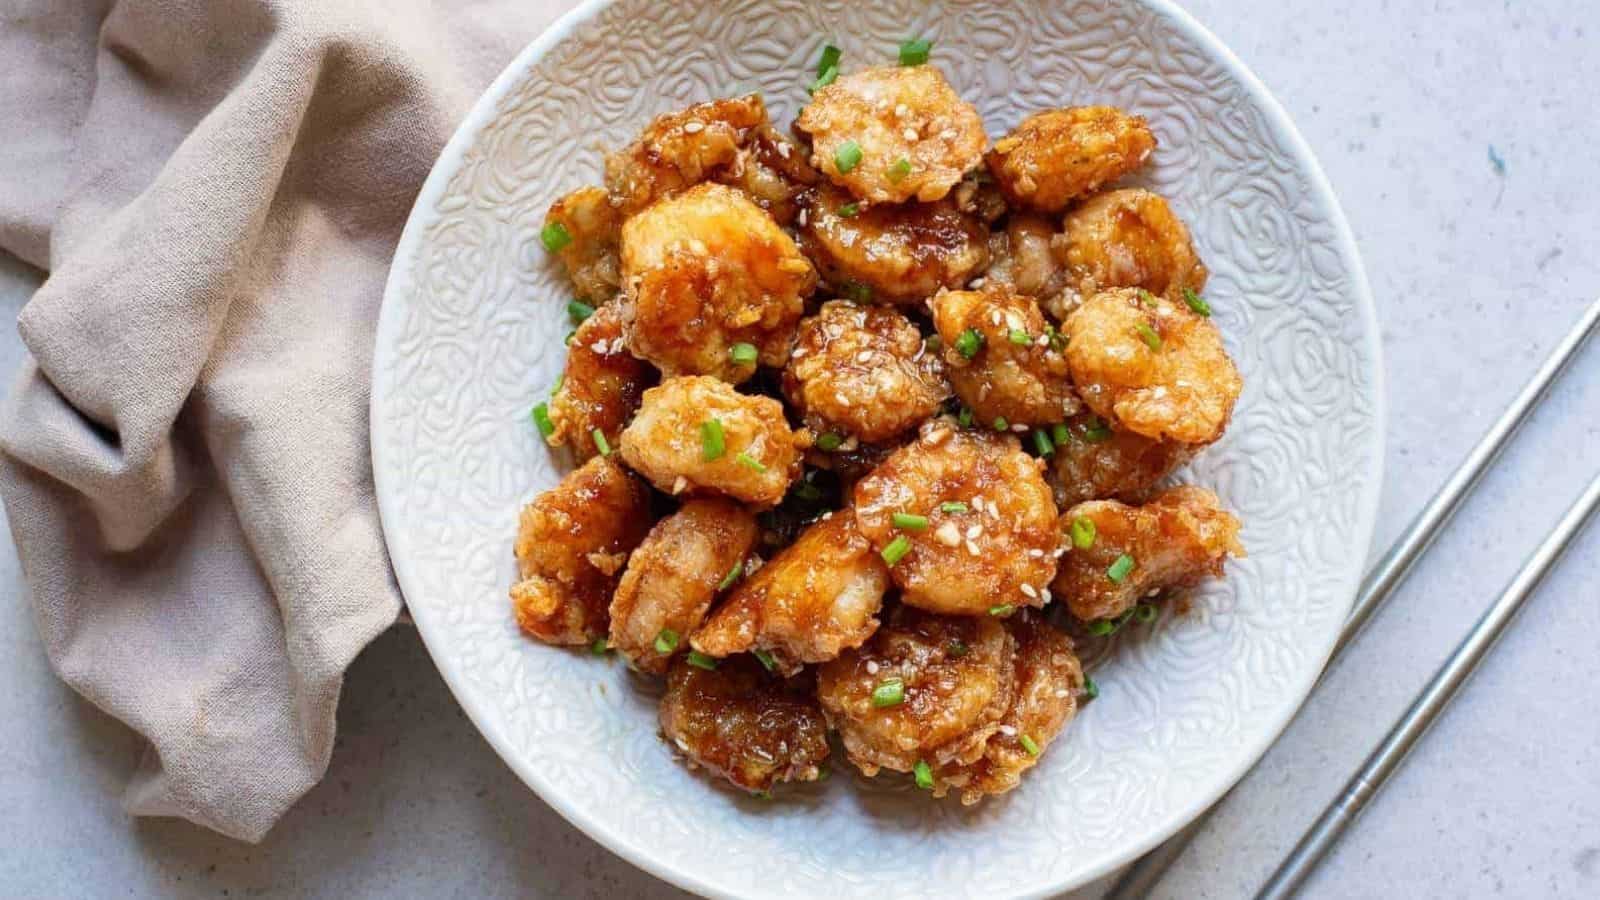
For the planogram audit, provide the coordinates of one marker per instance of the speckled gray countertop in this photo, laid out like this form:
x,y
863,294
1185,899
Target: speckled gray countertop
x,y
1478,268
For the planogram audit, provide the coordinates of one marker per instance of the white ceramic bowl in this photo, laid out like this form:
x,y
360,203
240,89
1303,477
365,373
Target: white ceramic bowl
x,y
471,337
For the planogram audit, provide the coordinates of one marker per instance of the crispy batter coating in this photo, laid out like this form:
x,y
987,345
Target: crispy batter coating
x,y
957,677
571,544
894,113
1022,256
1152,366
772,172
673,577
863,371
998,552
706,270
1175,540
817,597
1059,155
680,149
665,444
1129,238
1048,681
901,252
600,387
748,726
1110,463
595,228
1017,372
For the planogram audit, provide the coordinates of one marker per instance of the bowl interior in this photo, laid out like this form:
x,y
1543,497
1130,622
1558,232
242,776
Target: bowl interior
x,y
471,337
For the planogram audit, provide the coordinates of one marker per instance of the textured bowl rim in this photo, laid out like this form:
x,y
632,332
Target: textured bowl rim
x,y
645,857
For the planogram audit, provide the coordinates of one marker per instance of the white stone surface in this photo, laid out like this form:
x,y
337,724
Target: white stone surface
x,y
1477,273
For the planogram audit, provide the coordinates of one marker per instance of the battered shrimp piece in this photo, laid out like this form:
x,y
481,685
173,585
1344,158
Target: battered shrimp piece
x,y
600,387
987,543
902,253
1022,257
1048,679
1174,541
772,172
817,597
914,136
1129,238
1002,360
587,217
669,442
863,371
1097,462
1151,366
1058,155
707,270
571,545
745,725
680,149
954,677
673,577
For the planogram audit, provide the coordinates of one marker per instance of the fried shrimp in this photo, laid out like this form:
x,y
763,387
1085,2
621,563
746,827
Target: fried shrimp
x,y
695,434
900,253
893,133
678,150
593,228
925,689
1152,366
863,371
1059,155
674,575
1129,238
1121,553
1002,359
571,545
817,597
744,724
600,387
1098,462
1022,256
965,521
706,272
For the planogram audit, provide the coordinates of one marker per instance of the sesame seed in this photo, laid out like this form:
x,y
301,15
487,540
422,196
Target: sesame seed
x,y
948,535
978,282
843,400
994,317
1058,552
1063,693
901,111
909,134
1008,730
679,484
801,218
972,548
1153,592
693,126
1044,594
1018,427
977,503
872,667
850,443
974,532
681,745
1028,591
783,149
1036,553
698,246
949,134
864,356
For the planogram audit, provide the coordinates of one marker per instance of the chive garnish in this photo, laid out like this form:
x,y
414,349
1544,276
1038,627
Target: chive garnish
x,y
1059,434
897,549
1090,689
600,442
766,660
666,641
1002,610
1000,423
743,354
750,462
1042,442
578,311
1083,532
830,58
923,773
1196,302
914,52
732,576
1028,744
889,692
1119,570
910,522
847,157
555,236
701,661
900,169
1149,336
969,342
711,445
848,210
1019,337
541,420
828,441
953,506
598,648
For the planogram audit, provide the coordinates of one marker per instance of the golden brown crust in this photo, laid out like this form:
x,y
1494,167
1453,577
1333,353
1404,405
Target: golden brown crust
x,y
1018,373
1174,541
1129,238
998,552
743,724
704,271
894,113
818,596
571,545
600,387
591,256
1058,155
678,150
760,457
673,576
901,253
1152,366
1099,462
863,371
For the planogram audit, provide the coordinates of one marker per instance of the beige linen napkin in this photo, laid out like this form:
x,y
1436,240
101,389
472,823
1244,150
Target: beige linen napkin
x,y
215,188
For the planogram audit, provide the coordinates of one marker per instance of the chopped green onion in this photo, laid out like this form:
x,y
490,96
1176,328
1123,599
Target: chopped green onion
x,y
541,420
732,576
560,380
1003,610
847,157
577,311
822,774
701,661
555,236
1096,431
910,522
830,58
1083,532
848,210
1149,336
828,442
1147,297
666,641
568,339
805,490
914,52
1196,302
598,648
933,342
1028,744
969,342
900,169
762,795
765,658
1090,689
711,444
1020,337
897,549
1042,443
957,648
1102,627
965,417
860,293
889,692
1146,612
1059,434
743,354
750,462
1119,570
1000,423
924,774
825,78
953,506
1058,341
600,442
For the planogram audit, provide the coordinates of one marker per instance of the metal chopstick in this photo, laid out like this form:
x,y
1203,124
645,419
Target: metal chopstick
x,y
1388,573
1391,754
